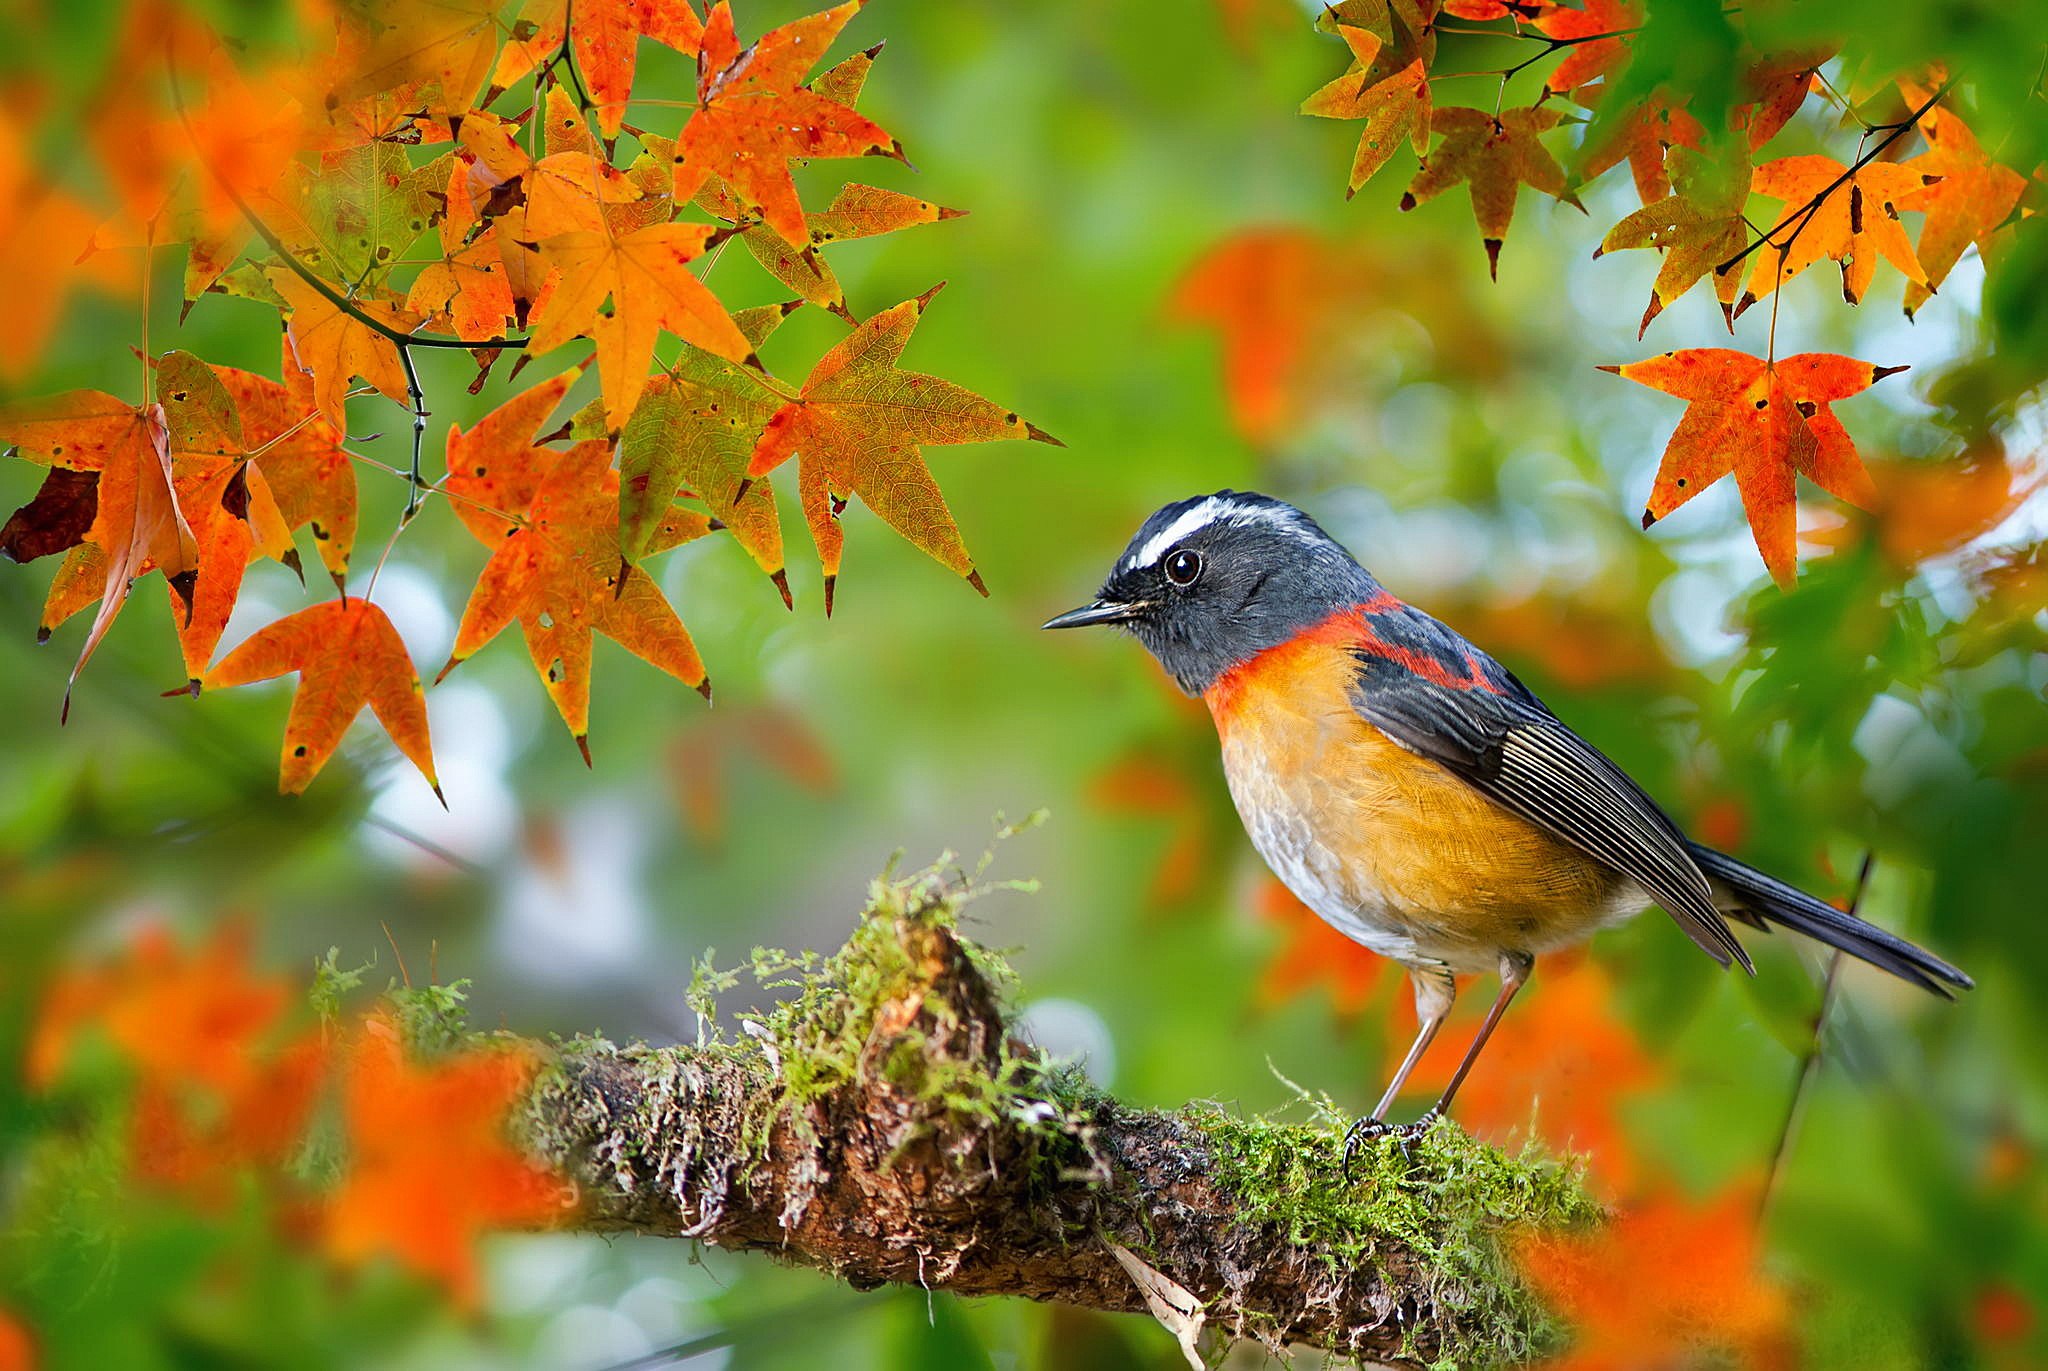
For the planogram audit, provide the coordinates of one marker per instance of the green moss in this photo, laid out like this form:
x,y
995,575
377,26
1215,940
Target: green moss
x,y
1444,1202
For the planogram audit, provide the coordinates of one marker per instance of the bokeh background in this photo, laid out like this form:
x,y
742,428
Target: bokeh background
x,y
1453,431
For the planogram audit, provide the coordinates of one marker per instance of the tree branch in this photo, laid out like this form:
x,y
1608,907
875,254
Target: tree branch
x,y
884,1124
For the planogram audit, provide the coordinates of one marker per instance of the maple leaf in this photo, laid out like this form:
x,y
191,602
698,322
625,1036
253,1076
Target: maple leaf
x,y
1972,197
495,468
561,576
861,425
1492,158
1642,136
347,655
1855,222
333,345
425,1195
1632,1306
1930,508
452,43
1764,421
1697,229
753,115
1406,30
1590,55
1777,86
1394,108
604,36
567,191
646,275
857,211
136,520
696,429
179,1018
299,453
43,230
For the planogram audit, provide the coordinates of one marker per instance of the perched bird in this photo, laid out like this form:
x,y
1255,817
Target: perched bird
x,y
1408,789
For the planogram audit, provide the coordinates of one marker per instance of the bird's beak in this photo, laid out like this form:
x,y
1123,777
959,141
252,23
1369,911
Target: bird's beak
x,y
1100,612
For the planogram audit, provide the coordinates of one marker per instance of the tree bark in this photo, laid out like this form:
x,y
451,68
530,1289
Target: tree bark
x,y
885,1125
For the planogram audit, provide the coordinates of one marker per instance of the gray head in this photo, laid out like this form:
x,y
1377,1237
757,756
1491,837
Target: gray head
x,y
1212,581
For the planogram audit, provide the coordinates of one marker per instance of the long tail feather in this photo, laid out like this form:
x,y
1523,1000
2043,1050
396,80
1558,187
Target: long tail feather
x,y
1772,901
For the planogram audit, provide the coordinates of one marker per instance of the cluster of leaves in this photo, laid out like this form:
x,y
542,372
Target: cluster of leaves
x,y
224,1090
1764,419
309,185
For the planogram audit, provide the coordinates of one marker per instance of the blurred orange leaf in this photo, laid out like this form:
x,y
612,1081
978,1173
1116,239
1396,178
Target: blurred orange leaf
x,y
426,1195
1662,1283
1312,953
17,1348
347,655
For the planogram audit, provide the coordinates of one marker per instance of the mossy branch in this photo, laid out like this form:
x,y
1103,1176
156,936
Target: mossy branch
x,y
884,1124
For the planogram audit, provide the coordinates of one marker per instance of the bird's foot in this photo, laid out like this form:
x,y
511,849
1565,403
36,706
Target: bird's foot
x,y
1357,1135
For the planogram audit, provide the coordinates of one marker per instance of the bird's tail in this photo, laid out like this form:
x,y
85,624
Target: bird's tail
x,y
1769,900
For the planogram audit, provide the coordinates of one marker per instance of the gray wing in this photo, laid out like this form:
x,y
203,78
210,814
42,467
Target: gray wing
x,y
1495,734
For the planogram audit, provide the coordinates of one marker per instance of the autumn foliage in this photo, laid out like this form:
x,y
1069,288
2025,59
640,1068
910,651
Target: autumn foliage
x,y
227,1080
451,178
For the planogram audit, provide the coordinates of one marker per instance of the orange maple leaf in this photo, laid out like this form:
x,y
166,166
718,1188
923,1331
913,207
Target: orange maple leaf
x,y
1777,85
1632,1305
753,116
604,36
333,345
647,276
347,655
1492,158
1395,108
137,522
861,426
1972,198
299,452
1643,136
1597,34
1855,223
561,576
451,43
1764,421
426,1195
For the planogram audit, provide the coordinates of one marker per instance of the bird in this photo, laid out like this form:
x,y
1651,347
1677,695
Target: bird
x,y
1410,790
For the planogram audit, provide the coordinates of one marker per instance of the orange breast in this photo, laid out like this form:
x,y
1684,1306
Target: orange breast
x,y
1393,849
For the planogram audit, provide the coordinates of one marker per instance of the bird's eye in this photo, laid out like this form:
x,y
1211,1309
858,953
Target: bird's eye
x,y
1183,566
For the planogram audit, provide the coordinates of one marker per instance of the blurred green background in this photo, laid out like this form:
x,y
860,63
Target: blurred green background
x,y
1459,440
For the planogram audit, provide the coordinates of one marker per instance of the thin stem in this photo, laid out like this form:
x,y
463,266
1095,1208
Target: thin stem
x,y
437,488
418,398
1799,218
1809,1062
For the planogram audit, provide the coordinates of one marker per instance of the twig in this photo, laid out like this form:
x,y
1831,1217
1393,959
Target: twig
x,y
1805,213
1809,1062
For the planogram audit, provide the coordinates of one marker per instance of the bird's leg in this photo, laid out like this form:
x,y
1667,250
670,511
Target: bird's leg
x,y
1514,971
1435,991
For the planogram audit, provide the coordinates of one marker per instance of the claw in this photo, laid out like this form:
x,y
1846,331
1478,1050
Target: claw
x,y
1405,1133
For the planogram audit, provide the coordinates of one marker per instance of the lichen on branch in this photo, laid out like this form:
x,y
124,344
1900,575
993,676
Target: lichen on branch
x,y
884,1122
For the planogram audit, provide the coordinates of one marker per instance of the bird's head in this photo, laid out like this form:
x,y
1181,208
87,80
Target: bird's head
x,y
1209,582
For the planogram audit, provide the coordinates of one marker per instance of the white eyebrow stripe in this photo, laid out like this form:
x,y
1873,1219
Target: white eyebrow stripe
x,y
1215,510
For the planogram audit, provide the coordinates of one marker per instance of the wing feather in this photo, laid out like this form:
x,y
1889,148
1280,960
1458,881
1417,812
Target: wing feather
x,y
1497,736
